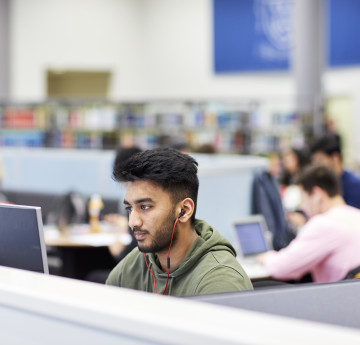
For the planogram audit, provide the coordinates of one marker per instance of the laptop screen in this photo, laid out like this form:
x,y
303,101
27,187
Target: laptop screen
x,y
250,237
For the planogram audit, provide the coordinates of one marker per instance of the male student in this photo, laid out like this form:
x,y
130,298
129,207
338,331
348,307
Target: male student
x,y
177,254
327,150
328,245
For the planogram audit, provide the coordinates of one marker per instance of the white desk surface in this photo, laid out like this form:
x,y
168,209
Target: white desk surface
x,y
80,236
255,271
42,309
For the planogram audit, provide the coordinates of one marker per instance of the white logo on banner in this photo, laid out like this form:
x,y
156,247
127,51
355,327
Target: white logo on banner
x,y
273,19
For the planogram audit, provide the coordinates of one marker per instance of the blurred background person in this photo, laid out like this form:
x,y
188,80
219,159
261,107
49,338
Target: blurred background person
x,y
327,150
118,249
275,165
205,148
293,162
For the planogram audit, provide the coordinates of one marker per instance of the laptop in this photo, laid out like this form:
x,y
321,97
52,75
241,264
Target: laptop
x,y
251,237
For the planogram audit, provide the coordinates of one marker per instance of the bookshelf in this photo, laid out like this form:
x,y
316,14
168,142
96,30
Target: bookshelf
x,y
240,126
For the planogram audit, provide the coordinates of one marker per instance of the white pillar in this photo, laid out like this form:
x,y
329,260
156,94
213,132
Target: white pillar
x,y
308,59
4,49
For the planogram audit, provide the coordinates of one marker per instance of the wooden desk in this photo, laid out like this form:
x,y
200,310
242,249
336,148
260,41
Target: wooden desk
x,y
82,251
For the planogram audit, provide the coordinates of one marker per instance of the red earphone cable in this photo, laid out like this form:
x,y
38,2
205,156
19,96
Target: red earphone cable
x,y
150,272
168,256
168,261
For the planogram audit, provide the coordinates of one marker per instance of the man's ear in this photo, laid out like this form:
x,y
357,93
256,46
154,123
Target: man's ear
x,y
188,207
317,192
336,156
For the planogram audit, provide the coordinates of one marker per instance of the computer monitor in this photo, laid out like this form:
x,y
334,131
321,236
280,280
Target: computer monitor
x,y
22,242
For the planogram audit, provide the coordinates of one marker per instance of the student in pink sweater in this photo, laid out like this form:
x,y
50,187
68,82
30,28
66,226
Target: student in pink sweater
x,y
328,245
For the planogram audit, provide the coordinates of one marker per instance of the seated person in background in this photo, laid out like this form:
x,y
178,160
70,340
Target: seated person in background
x,y
274,165
119,250
328,245
206,148
327,150
293,161
120,220
177,254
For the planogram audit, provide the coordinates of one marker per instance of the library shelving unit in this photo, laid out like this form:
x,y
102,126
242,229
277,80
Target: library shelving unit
x,y
231,126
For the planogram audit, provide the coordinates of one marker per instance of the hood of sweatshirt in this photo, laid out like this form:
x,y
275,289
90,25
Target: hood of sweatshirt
x,y
209,240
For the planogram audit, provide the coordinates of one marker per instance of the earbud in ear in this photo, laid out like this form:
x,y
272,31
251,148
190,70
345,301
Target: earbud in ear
x,y
182,212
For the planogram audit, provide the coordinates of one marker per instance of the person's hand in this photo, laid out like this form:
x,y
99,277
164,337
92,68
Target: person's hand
x,y
122,224
296,219
260,258
116,248
117,220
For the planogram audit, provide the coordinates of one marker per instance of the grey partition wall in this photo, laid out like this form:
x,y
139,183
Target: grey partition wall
x,y
332,303
44,309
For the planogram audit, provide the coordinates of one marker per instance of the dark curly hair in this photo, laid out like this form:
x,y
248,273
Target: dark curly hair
x,y
172,170
327,144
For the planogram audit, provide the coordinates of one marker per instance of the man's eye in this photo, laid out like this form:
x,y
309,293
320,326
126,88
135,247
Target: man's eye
x,y
145,207
128,209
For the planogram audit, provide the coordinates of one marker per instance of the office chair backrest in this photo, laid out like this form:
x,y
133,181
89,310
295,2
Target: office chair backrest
x,y
266,200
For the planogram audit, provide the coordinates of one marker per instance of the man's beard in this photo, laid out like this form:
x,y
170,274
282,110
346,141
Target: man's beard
x,y
161,240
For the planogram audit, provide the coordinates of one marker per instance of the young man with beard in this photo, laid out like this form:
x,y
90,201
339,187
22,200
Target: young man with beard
x,y
177,254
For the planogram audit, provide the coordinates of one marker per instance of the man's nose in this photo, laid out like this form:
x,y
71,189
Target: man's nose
x,y
134,220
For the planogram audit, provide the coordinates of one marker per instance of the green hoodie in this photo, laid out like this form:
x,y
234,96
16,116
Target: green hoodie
x,y
210,266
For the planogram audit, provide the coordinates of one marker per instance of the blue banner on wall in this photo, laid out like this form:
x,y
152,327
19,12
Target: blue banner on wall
x,y
256,35
343,32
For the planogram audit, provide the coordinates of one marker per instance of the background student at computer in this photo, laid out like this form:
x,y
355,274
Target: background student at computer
x,y
327,150
118,249
328,245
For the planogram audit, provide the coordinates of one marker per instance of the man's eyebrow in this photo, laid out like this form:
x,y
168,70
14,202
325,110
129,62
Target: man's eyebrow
x,y
139,201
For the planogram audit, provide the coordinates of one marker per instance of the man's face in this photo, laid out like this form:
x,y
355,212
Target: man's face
x,y
322,158
151,216
291,162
